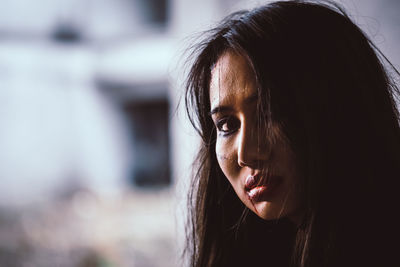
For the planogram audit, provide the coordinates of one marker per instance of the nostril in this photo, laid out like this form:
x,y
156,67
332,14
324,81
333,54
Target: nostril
x,y
251,164
241,163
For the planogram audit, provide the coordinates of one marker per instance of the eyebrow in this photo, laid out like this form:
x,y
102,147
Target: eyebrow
x,y
220,109
251,99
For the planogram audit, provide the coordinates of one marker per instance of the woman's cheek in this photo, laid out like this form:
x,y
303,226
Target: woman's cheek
x,y
225,156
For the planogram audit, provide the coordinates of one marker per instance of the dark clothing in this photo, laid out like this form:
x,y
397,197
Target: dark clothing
x,y
263,243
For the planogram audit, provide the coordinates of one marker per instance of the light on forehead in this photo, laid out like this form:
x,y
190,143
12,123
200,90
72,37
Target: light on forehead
x,y
232,80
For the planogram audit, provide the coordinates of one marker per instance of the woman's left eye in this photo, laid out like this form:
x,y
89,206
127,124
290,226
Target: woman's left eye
x,y
228,125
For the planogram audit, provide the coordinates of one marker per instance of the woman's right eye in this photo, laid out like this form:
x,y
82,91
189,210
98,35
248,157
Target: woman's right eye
x,y
227,125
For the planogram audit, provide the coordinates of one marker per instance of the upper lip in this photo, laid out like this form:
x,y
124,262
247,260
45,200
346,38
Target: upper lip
x,y
259,179
252,181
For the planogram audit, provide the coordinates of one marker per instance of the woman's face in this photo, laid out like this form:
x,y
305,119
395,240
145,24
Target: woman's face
x,y
263,174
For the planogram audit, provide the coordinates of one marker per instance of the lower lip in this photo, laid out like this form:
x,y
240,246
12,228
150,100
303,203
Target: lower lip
x,y
262,192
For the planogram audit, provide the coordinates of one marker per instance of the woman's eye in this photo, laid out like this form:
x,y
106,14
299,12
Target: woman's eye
x,y
228,125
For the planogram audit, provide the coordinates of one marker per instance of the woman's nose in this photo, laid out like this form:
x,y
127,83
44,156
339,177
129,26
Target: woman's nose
x,y
251,148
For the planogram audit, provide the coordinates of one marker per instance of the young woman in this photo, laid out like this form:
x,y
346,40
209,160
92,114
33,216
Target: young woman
x,y
300,150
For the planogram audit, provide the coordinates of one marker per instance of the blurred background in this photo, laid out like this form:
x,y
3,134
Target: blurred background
x,y
95,151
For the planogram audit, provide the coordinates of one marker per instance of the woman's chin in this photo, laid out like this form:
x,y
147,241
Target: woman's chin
x,y
269,212
266,210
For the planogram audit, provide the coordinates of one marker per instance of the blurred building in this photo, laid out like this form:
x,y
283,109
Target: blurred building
x,y
87,111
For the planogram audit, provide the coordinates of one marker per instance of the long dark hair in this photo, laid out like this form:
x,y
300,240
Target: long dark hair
x,y
326,83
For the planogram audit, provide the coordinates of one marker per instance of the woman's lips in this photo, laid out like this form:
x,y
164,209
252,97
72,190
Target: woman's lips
x,y
250,182
261,189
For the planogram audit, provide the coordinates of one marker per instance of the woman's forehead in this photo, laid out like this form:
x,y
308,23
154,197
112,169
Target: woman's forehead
x,y
231,79
231,66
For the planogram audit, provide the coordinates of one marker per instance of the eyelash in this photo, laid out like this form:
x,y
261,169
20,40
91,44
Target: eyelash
x,y
227,120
